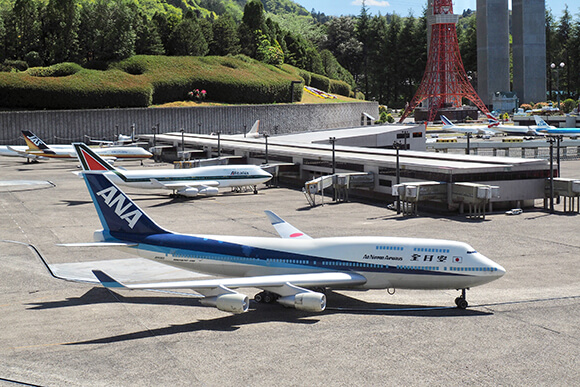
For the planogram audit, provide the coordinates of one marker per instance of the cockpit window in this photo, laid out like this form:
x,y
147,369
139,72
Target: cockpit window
x,y
472,252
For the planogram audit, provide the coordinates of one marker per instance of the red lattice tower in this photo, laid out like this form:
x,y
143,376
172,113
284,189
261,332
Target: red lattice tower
x,y
444,82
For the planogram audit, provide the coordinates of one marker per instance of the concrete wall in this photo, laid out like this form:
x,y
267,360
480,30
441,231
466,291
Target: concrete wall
x,y
529,50
65,126
493,56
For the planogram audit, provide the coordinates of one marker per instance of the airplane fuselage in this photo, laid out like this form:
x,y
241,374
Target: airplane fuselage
x,y
386,262
224,176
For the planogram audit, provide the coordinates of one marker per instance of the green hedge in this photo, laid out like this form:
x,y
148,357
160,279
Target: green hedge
x,y
320,82
340,87
86,89
144,80
57,70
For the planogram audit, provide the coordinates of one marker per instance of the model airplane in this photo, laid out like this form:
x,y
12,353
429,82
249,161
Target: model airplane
x,y
510,129
37,149
544,128
188,182
478,130
287,269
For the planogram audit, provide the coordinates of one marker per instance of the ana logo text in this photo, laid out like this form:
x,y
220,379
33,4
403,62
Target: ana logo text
x,y
112,199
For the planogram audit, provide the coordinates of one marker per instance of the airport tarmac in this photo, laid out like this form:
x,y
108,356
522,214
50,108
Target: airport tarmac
x,y
522,329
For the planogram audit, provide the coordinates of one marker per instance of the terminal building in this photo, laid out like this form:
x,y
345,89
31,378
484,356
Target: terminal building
x,y
371,151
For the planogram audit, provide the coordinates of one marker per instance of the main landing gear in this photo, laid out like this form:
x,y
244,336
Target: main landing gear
x,y
266,297
460,301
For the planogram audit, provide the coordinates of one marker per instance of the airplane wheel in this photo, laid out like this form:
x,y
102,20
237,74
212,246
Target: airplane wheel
x,y
258,297
268,298
461,303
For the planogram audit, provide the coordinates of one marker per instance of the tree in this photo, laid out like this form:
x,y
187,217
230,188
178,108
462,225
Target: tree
x,y
225,36
148,40
2,38
187,39
363,34
563,35
343,44
60,29
467,36
26,27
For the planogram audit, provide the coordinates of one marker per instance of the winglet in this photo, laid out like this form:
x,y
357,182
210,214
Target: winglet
x,y
285,229
90,161
106,280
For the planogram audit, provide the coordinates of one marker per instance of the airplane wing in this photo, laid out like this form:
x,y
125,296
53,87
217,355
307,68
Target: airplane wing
x,y
285,229
182,184
289,288
263,282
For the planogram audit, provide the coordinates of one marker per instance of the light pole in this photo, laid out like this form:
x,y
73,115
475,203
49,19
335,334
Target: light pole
x,y
397,146
551,141
333,141
219,144
182,144
557,69
266,139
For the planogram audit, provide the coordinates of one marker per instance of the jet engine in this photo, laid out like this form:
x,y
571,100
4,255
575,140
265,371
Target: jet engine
x,y
188,192
209,191
311,301
232,303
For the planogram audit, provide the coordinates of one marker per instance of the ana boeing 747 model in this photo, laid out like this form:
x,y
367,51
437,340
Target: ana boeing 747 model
x,y
187,182
37,149
288,270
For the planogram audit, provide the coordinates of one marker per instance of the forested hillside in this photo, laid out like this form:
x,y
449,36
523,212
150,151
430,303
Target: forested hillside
x,y
381,56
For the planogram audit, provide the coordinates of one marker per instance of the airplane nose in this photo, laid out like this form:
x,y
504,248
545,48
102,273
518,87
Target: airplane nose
x,y
500,271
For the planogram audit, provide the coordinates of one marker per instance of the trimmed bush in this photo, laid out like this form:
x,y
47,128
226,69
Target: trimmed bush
x,y
340,87
142,80
306,76
57,70
320,82
19,65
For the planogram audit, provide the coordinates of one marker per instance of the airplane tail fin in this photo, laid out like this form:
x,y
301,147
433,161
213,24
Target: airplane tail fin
x,y
90,161
446,121
540,121
118,213
34,142
254,131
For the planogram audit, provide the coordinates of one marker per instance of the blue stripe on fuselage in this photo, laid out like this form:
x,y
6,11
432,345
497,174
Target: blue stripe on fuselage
x,y
190,246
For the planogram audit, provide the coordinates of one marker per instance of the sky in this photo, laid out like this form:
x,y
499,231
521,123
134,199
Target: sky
x,y
402,7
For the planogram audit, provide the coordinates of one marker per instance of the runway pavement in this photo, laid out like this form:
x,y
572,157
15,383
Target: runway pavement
x,y
520,330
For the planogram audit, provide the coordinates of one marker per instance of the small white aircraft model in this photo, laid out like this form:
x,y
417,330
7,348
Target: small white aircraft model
x,y
252,133
285,269
37,149
477,130
188,182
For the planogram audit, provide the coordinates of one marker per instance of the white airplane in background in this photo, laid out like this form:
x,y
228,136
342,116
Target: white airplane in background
x,y
122,140
544,128
285,269
478,130
252,133
37,149
188,182
511,129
